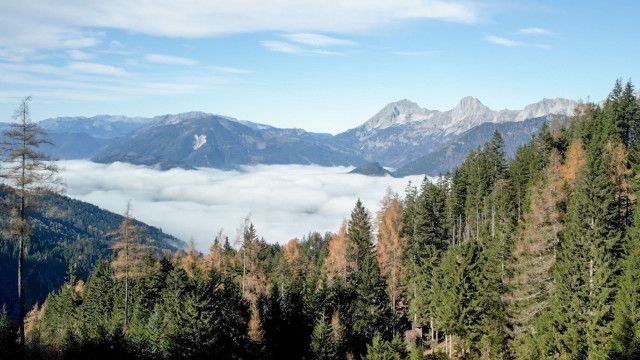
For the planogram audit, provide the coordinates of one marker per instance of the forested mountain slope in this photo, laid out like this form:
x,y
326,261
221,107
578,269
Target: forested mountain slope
x,y
534,257
67,235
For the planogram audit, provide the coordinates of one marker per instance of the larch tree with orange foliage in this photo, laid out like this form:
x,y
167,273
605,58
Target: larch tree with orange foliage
x,y
130,254
335,264
390,247
531,282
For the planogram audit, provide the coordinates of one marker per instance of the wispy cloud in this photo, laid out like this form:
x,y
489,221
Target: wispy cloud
x,y
535,31
317,40
507,42
96,68
497,40
43,24
79,55
169,59
229,70
282,46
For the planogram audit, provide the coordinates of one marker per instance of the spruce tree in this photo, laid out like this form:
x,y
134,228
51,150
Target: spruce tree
x,y
323,342
369,311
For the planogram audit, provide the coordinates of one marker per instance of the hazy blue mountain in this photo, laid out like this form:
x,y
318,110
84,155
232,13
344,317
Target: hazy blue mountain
x,y
515,134
205,140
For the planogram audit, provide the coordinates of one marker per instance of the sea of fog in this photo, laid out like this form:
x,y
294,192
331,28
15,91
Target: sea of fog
x,y
283,201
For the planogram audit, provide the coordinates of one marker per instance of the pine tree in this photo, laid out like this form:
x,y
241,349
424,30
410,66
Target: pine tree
x,y
130,253
390,251
96,310
380,349
531,279
323,341
26,170
587,265
423,249
335,265
369,311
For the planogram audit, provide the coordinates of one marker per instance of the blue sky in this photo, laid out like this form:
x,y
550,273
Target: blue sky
x,y
319,65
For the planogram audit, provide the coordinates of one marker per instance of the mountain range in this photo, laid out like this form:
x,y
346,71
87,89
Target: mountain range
x,y
402,135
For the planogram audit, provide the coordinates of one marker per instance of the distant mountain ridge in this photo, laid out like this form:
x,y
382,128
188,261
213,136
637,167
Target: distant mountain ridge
x,y
403,131
398,135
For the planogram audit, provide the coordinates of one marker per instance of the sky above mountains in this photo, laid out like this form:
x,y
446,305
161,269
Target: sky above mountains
x,y
318,65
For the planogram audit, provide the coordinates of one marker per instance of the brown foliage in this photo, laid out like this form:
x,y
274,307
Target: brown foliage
x,y
292,257
531,283
191,262
335,264
390,247
574,162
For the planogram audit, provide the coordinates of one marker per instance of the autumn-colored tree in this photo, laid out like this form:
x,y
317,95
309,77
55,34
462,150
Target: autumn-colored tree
x,y
254,275
574,162
130,253
390,247
191,262
621,176
534,254
215,259
26,170
292,258
335,265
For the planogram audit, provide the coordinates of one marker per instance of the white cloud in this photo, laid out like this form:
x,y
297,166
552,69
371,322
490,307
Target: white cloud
x,y
282,46
98,69
79,55
68,24
229,70
289,48
497,40
535,31
169,59
317,40
284,201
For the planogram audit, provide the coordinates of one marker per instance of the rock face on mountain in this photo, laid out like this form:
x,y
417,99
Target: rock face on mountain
x,y
403,131
452,154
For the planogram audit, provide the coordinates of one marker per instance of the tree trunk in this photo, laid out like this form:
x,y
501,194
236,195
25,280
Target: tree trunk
x,y
23,231
21,291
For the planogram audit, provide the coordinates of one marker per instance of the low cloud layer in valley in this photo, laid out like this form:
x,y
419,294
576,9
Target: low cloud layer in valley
x,y
283,201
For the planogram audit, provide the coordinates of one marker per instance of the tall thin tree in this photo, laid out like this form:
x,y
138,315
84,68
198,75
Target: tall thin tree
x,y
28,172
130,253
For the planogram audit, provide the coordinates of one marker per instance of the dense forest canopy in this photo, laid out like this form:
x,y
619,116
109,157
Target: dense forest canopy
x,y
534,257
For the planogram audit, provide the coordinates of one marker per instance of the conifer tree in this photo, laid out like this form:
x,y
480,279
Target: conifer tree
x,y
424,248
390,250
369,311
27,171
130,253
587,265
323,341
